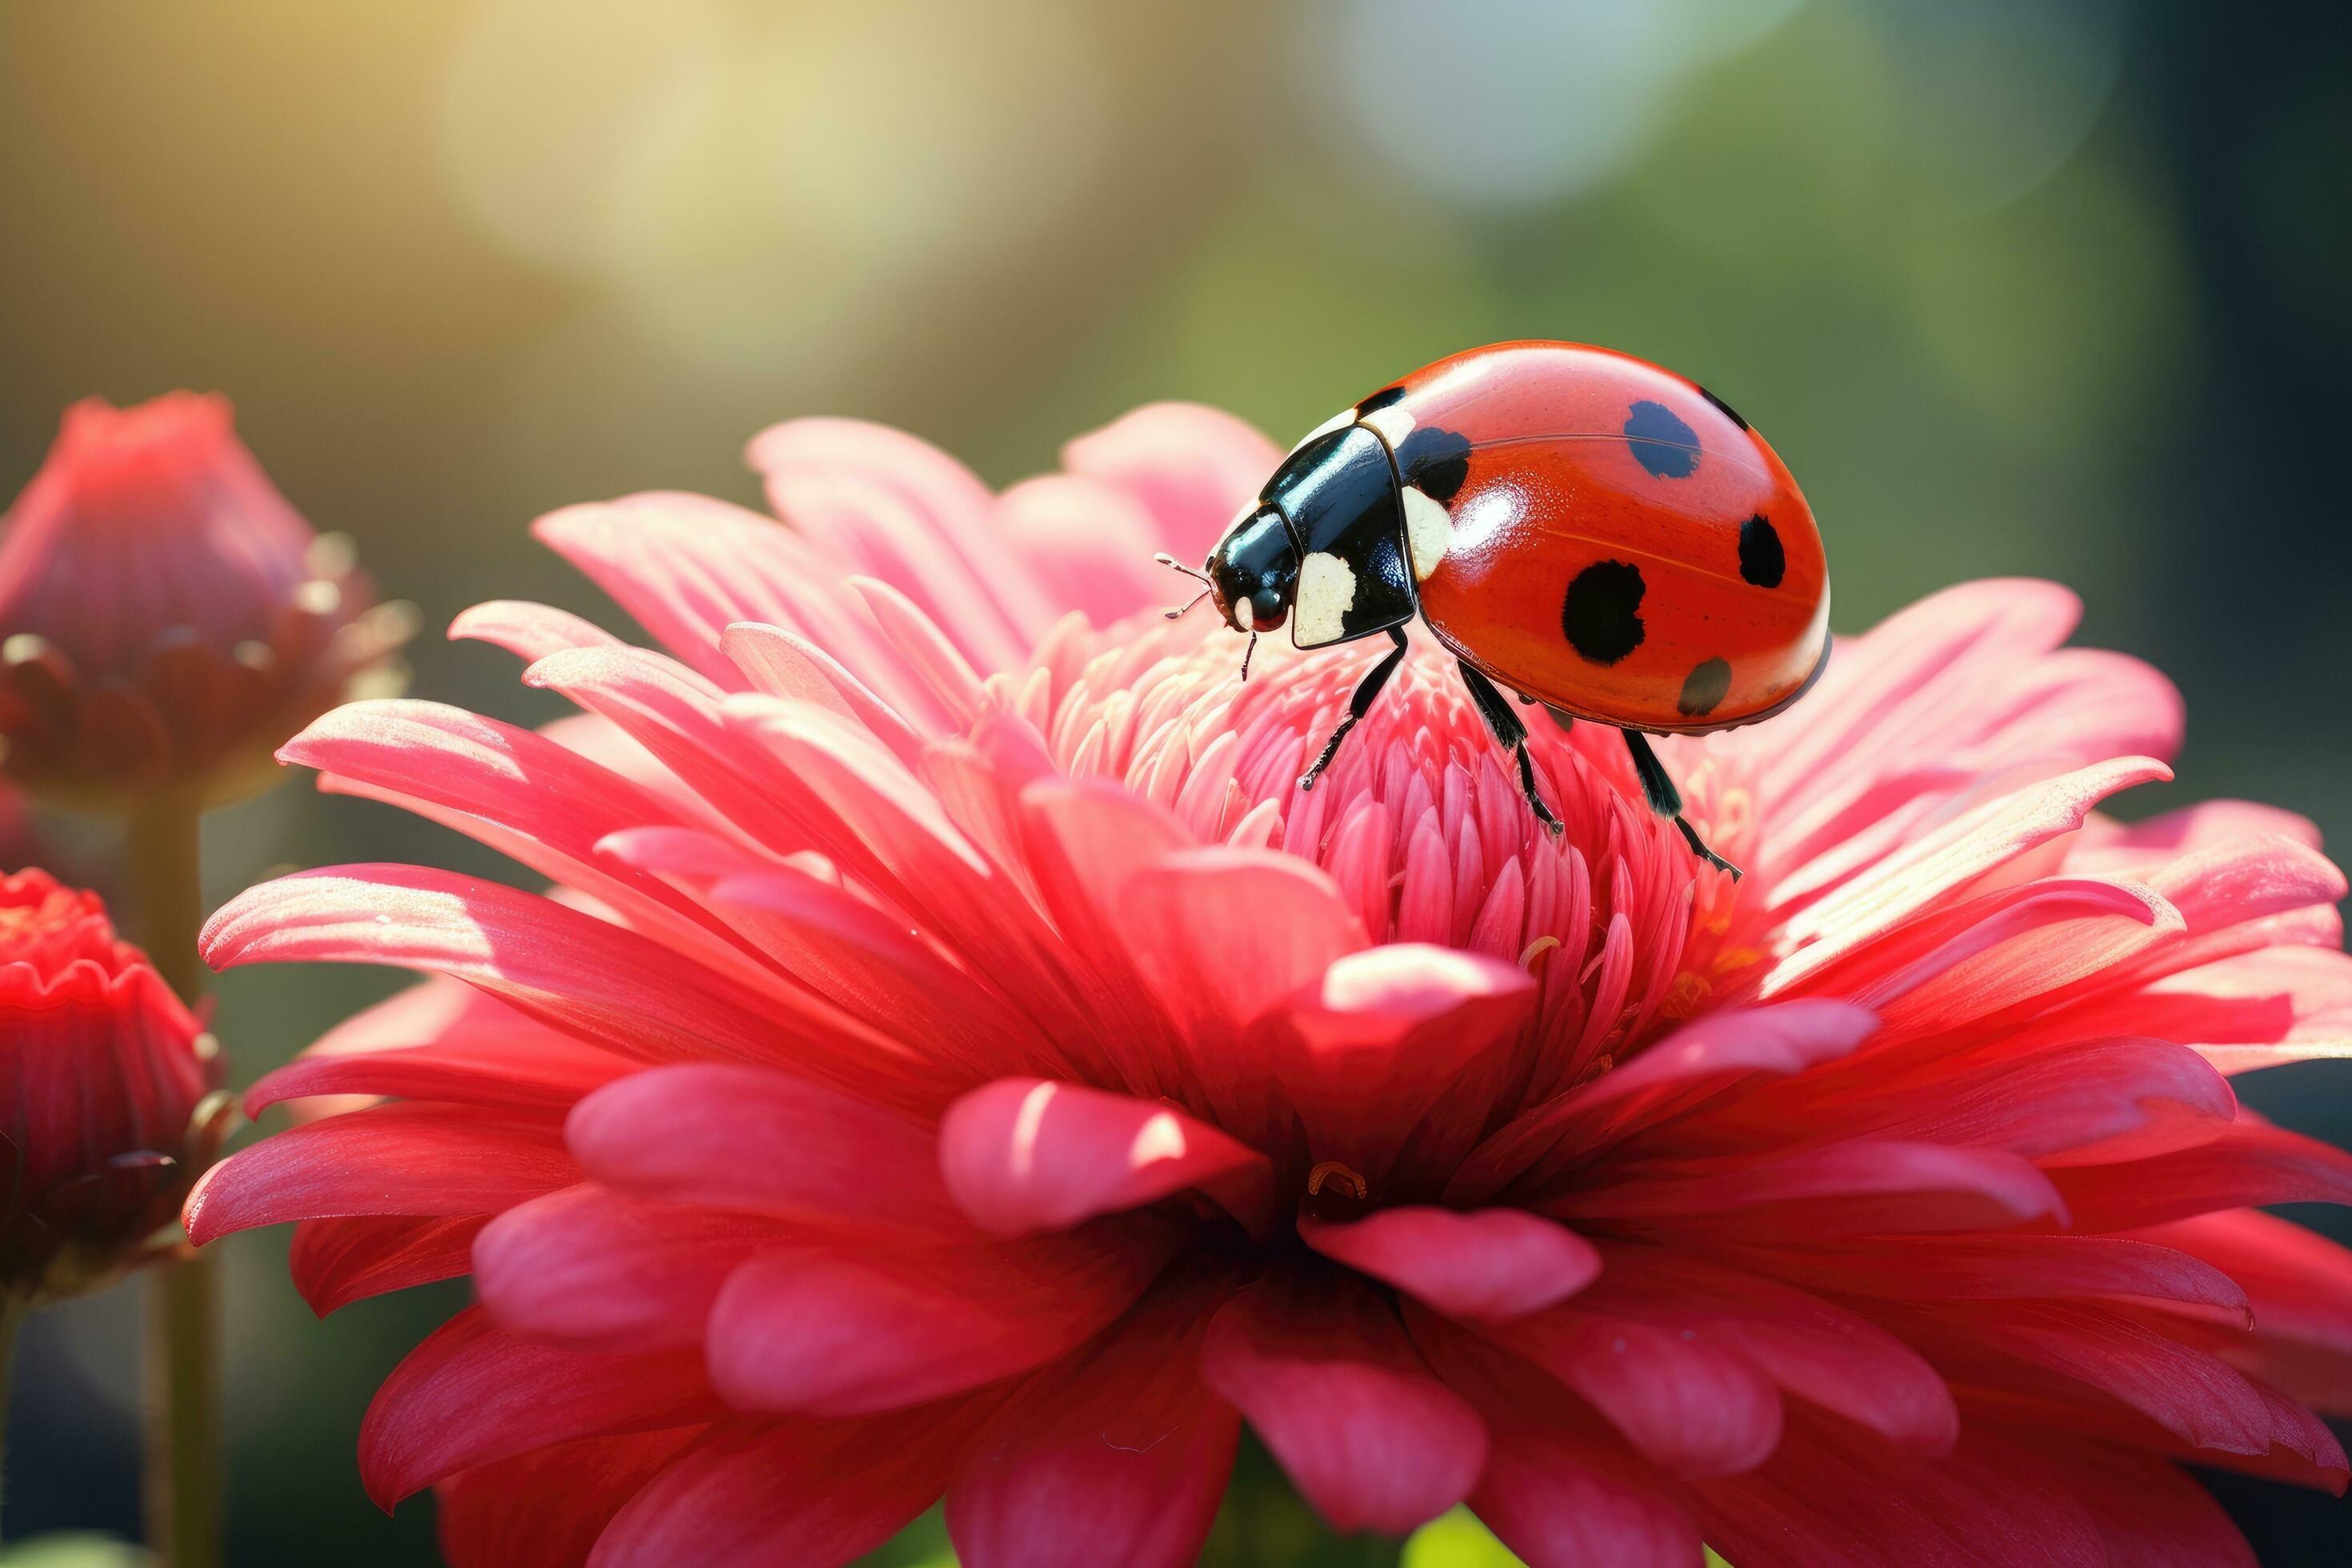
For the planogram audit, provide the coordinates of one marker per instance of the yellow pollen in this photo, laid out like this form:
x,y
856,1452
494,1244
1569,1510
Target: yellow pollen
x,y
1332,1171
1686,994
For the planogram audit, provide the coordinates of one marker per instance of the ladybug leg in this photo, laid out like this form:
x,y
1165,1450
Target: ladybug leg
x,y
1667,800
1513,736
1367,691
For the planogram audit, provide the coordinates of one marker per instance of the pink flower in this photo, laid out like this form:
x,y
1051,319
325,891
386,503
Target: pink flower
x,y
104,1080
168,617
958,1059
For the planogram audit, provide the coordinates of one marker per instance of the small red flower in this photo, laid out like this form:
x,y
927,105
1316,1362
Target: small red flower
x,y
104,1080
959,1060
166,616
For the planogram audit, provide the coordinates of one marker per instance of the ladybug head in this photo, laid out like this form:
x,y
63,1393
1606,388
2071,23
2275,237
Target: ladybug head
x,y
1254,572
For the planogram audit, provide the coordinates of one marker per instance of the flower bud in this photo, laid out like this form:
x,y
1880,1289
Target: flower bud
x,y
166,616
108,1101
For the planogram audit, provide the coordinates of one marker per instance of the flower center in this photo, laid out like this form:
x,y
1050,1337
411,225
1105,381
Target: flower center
x,y
1336,1193
1419,821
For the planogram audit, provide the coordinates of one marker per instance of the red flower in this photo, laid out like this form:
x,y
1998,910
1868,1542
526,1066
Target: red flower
x,y
961,1060
103,1080
168,617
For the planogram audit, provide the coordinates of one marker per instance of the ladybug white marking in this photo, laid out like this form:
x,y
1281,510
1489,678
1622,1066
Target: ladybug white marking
x,y
1326,591
1242,613
1428,531
1393,423
1339,421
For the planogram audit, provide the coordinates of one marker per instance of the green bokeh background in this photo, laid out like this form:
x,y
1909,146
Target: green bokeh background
x,y
2045,287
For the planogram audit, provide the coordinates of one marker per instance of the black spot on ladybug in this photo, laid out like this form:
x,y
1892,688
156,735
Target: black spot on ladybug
x,y
1379,400
1724,408
1662,443
1600,615
1435,460
1761,560
1703,689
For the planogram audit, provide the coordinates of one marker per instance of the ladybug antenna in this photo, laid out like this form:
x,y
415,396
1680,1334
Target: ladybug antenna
x,y
1177,612
1175,565
1247,654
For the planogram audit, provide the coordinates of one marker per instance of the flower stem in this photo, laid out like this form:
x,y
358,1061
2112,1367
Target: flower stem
x,y
182,1431
170,900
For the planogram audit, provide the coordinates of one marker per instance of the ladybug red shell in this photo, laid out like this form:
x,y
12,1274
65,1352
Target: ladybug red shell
x,y
1585,529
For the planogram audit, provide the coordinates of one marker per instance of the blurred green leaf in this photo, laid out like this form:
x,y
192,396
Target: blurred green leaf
x,y
74,1549
922,1544
1457,1540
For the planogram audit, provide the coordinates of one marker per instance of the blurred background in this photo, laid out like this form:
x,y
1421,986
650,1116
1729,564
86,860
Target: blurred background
x,y
2050,287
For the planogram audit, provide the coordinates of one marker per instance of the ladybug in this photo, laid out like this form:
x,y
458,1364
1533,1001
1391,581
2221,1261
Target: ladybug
x,y
1575,525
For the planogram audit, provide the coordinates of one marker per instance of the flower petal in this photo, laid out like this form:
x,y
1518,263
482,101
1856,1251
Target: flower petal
x,y
587,977
2002,1267
2111,1357
1191,465
2138,847
856,1333
2060,1102
868,963
595,1271
675,717
1486,1263
1860,1187
472,1394
1386,1038
897,834
1118,1454
530,1069
769,1494
528,631
1989,951
2300,1288
1835,1358
1082,843
2243,879
686,566
1892,695
1691,1408
545,1508
335,1262
1677,1072
2148,1513
528,796
746,1138
1936,865
435,1011
1022,1154
1560,1487
2250,1164
785,664
1090,544
1226,934
1327,1377
1833,1494
2250,1010
897,508
420,1160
